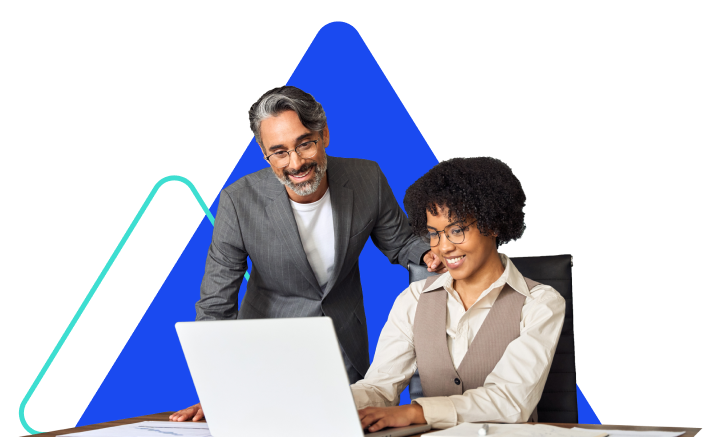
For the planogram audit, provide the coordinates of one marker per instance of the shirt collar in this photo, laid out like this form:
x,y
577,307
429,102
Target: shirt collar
x,y
510,276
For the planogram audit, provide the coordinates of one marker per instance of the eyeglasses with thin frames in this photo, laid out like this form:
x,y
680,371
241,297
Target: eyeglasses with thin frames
x,y
307,150
455,235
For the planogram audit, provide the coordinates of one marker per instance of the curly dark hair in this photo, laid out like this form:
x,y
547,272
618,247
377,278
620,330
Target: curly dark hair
x,y
483,189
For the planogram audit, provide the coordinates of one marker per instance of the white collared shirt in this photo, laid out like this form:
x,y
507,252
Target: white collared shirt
x,y
511,391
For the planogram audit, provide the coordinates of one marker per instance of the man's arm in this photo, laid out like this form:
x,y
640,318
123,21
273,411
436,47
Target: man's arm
x,y
392,234
226,265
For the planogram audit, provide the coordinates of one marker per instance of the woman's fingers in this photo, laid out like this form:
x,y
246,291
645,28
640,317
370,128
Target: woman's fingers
x,y
370,417
383,422
199,415
374,419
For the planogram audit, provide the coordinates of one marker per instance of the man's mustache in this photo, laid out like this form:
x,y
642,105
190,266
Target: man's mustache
x,y
304,168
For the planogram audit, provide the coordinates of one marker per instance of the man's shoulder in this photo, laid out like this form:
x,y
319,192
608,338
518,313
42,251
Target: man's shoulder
x,y
251,181
353,165
361,175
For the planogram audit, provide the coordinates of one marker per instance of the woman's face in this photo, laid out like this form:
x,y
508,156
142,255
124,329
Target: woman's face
x,y
462,259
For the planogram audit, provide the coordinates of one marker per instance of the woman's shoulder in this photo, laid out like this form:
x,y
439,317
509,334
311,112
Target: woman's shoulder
x,y
544,299
407,301
409,298
429,279
542,292
416,288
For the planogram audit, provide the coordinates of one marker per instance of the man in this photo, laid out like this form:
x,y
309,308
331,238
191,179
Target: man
x,y
303,224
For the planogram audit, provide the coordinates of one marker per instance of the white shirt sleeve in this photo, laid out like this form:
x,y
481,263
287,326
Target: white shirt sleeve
x,y
513,389
395,358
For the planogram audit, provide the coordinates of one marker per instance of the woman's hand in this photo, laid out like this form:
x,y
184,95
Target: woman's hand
x,y
375,418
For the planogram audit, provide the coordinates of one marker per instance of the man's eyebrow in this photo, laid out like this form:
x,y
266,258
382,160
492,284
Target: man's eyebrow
x,y
299,138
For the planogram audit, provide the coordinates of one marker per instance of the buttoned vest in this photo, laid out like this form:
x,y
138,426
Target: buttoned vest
x,y
436,370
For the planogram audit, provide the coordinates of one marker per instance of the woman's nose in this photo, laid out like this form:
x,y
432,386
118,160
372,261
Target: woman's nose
x,y
445,244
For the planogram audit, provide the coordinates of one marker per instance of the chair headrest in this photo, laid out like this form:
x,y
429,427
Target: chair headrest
x,y
417,273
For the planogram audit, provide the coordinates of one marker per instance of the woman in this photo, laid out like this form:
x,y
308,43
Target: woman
x,y
481,335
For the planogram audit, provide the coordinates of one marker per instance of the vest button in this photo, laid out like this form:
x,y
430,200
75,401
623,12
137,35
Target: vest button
x,y
457,381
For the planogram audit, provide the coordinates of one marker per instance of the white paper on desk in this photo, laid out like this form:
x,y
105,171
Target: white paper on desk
x,y
621,433
150,429
518,430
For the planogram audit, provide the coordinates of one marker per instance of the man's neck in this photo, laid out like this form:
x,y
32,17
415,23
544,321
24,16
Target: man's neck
x,y
313,197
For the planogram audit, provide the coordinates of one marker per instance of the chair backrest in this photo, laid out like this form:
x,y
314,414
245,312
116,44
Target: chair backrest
x,y
559,402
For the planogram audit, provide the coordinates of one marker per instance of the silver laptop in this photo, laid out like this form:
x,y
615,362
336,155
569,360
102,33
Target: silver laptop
x,y
273,377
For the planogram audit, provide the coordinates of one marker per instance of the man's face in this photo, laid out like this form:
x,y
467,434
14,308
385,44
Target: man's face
x,y
285,132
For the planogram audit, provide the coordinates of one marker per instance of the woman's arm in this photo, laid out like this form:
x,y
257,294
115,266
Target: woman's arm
x,y
395,359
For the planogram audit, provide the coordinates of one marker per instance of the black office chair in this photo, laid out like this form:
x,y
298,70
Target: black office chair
x,y
559,402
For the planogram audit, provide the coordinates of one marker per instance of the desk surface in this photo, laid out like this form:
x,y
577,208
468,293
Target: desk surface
x,y
689,432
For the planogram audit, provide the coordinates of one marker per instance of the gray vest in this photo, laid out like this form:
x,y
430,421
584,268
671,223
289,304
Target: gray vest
x,y
501,326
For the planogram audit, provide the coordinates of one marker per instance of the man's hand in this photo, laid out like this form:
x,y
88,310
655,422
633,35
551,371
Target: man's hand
x,y
383,417
195,413
433,263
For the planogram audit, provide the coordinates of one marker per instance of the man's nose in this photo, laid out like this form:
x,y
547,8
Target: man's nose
x,y
295,161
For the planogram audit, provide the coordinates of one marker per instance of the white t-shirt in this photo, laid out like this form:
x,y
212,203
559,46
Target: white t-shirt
x,y
315,223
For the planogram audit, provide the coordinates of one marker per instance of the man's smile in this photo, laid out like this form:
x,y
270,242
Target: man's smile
x,y
300,177
302,174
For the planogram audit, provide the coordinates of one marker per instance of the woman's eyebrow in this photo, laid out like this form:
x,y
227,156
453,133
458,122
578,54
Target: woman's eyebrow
x,y
449,224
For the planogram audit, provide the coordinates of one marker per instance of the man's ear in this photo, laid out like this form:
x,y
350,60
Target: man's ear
x,y
325,135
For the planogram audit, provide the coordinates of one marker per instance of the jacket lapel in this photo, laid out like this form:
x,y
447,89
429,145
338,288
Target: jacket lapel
x,y
341,198
279,211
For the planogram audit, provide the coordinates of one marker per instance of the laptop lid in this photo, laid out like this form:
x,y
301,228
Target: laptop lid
x,y
270,377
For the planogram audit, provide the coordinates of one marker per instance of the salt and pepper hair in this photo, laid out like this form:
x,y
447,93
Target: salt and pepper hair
x,y
287,98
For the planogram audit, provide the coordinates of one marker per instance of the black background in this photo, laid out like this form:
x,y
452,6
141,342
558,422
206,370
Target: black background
x,y
98,119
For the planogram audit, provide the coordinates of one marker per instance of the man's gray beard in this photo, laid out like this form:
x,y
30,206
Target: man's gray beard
x,y
309,187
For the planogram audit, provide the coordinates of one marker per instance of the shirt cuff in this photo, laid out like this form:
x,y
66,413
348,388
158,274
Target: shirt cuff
x,y
364,398
439,412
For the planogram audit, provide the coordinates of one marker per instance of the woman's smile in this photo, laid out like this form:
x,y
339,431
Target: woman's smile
x,y
454,262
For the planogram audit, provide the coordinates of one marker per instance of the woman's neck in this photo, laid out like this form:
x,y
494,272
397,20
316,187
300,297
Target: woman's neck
x,y
469,289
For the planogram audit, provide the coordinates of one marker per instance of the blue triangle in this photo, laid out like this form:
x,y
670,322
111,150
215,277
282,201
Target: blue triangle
x,y
585,413
367,120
